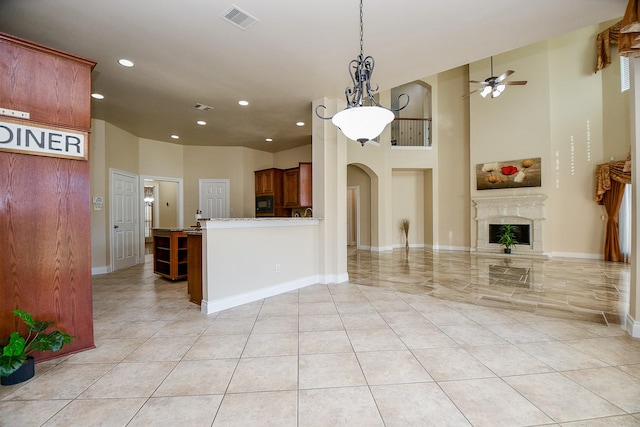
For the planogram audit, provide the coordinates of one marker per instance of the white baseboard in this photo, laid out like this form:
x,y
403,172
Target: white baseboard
x,y
214,306
451,248
335,278
381,248
576,255
96,271
633,327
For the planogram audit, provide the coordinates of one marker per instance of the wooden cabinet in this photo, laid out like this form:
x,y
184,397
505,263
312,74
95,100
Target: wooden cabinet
x,y
297,191
194,267
45,221
170,253
265,181
290,188
269,183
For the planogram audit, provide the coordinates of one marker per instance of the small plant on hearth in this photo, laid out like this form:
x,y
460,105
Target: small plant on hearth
x,y
508,237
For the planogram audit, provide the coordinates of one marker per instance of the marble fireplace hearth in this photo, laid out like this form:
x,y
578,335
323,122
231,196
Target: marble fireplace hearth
x,y
516,210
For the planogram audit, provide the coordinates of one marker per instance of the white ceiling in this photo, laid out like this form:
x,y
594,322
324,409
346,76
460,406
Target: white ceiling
x,y
299,50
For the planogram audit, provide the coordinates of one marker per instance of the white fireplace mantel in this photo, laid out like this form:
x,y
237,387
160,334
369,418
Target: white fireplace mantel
x,y
511,210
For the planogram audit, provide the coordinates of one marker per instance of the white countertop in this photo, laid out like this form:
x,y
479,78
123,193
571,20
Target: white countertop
x,y
258,222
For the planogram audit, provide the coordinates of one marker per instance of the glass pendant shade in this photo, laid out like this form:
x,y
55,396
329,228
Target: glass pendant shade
x,y
363,119
363,123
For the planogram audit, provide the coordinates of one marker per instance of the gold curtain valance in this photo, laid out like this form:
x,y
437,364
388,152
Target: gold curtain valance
x,y
603,41
629,42
626,34
618,171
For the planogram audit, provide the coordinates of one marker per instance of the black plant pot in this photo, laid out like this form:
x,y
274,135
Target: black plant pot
x,y
507,250
22,374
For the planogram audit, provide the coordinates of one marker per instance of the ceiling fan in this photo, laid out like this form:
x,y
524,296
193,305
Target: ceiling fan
x,y
494,86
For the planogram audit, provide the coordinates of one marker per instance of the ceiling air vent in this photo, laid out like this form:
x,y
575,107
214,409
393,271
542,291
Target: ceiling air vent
x,y
202,107
238,17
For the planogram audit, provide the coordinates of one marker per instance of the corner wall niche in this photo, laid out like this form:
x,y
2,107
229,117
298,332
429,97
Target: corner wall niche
x,y
521,210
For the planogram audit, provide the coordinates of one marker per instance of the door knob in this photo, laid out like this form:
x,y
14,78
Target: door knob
x,y
116,226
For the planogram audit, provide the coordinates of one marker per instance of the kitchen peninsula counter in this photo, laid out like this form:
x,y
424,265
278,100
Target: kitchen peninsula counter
x,y
248,259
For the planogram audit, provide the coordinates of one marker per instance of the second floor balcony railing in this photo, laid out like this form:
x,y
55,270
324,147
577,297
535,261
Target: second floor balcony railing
x,y
411,132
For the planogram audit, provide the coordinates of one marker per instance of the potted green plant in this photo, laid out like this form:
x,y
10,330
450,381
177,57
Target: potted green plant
x,y
508,237
16,363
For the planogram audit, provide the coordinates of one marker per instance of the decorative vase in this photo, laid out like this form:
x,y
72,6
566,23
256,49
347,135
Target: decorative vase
x,y
22,374
507,250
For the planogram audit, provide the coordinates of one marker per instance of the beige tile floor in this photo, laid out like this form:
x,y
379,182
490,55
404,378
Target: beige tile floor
x,y
441,339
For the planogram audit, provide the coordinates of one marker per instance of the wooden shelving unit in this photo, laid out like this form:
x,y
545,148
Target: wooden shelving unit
x,y
170,253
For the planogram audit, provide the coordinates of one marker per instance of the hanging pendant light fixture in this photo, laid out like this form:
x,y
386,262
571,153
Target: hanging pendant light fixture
x,y
364,118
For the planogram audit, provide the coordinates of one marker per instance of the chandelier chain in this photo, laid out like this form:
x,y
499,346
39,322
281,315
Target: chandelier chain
x,y
361,31
363,113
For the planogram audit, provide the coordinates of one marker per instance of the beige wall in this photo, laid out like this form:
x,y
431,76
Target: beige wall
x,y
560,117
356,177
168,205
161,159
99,188
576,124
290,158
452,136
616,124
120,151
215,163
515,125
408,204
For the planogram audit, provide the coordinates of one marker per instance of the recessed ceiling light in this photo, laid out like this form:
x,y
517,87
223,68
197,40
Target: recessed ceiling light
x,y
175,136
300,124
125,62
269,139
201,122
97,96
243,102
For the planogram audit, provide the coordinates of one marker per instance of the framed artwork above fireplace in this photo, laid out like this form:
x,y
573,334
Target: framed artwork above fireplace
x,y
511,174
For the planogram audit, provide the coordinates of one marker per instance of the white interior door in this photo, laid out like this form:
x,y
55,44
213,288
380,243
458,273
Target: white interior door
x,y
214,198
124,224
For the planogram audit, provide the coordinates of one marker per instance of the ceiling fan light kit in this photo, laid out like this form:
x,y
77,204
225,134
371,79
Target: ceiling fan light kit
x,y
364,118
493,85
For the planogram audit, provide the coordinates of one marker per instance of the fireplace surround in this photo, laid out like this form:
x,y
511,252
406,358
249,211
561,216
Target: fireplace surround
x,y
527,210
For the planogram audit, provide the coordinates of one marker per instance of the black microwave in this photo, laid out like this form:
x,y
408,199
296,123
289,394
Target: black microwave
x,y
264,205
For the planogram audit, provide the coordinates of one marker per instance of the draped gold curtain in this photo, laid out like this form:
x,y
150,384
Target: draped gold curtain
x,y
629,42
603,42
626,34
611,179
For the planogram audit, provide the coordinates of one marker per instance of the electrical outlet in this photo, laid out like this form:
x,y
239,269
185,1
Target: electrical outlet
x,y
277,268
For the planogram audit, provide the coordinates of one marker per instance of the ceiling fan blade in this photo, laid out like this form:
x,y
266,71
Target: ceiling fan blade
x,y
484,83
516,83
504,75
471,93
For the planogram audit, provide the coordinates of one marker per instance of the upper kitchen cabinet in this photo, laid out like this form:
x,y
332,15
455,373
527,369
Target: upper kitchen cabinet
x,y
297,186
268,181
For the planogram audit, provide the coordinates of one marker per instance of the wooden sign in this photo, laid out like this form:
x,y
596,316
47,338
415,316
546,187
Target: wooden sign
x,y
18,136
